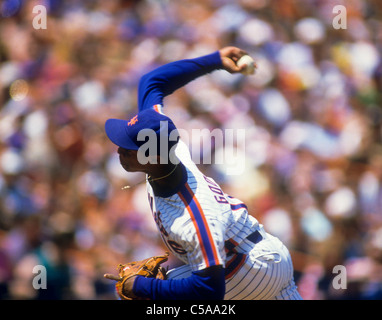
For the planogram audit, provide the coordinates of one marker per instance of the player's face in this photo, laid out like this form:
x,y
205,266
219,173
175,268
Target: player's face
x,y
129,160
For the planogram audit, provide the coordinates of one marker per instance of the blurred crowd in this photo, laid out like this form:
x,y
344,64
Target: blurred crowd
x,y
312,148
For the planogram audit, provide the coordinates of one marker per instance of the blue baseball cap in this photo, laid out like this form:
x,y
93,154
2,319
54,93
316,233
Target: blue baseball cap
x,y
133,133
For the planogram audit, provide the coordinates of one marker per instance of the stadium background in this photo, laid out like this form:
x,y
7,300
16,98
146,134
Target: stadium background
x,y
312,116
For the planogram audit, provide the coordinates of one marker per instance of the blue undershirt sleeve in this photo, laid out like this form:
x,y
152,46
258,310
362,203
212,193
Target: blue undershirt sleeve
x,y
157,84
208,284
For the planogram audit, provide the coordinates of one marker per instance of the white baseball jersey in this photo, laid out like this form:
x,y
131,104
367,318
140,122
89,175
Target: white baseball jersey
x,y
196,222
204,227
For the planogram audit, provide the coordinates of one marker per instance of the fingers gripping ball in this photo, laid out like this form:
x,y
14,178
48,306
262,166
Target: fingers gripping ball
x,y
250,64
149,268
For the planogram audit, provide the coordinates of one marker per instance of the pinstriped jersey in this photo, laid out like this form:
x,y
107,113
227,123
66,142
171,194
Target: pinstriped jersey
x,y
199,220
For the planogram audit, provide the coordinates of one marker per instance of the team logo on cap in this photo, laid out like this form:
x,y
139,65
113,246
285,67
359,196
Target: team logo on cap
x,y
133,121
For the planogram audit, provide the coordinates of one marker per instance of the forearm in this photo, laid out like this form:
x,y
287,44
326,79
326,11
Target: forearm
x,y
197,287
157,84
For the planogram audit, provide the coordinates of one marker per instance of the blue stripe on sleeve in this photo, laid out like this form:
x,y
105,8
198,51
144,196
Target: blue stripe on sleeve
x,y
238,206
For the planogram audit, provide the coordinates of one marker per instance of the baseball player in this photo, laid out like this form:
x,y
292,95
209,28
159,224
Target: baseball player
x,y
226,252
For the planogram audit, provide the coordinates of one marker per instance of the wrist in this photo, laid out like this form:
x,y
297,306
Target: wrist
x,y
127,288
209,62
216,60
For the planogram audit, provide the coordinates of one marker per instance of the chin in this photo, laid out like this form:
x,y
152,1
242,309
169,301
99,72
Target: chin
x,y
126,168
129,169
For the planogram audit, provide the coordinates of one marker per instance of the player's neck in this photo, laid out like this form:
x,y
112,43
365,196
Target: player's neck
x,y
167,177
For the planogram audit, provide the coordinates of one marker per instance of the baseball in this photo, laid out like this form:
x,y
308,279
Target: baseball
x,y
246,59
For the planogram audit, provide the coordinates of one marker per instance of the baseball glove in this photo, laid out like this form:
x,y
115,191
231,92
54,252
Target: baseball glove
x,y
149,268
